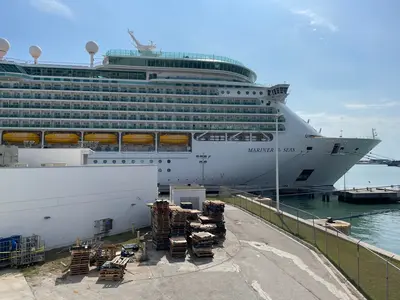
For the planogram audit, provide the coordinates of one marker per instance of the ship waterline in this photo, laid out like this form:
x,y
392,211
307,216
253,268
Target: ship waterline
x,y
200,118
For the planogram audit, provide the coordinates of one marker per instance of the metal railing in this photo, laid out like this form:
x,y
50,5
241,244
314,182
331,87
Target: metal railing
x,y
174,55
375,275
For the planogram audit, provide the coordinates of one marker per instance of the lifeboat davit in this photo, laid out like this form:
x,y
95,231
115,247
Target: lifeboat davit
x,y
61,138
20,137
102,138
174,139
138,139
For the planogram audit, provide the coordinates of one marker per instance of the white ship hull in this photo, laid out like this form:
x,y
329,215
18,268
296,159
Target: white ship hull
x,y
251,165
239,164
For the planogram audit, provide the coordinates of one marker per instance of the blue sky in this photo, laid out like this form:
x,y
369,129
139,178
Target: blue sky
x,y
340,56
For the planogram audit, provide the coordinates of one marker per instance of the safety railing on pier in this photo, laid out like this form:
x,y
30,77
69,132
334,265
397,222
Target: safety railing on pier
x,y
375,275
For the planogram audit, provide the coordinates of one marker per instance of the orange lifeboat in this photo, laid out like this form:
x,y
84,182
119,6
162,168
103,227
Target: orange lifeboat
x,y
102,138
20,137
138,139
61,138
174,139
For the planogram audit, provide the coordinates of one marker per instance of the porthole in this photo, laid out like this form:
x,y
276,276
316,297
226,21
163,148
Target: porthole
x,y
247,92
261,93
133,161
238,92
123,161
168,170
95,161
104,161
151,161
159,170
169,161
228,92
141,161
254,92
222,92
114,161
160,161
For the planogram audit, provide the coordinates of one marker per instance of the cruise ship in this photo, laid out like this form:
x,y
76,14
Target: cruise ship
x,y
200,118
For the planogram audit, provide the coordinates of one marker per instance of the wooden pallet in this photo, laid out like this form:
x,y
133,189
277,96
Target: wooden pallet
x,y
111,277
78,273
111,272
178,255
79,270
120,261
204,255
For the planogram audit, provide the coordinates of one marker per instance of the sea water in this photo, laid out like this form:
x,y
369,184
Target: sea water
x,y
381,230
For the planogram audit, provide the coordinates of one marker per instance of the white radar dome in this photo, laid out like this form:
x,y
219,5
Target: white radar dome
x,y
4,47
35,51
92,47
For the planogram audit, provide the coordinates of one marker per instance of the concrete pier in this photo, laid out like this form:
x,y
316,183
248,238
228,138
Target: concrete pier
x,y
369,195
256,262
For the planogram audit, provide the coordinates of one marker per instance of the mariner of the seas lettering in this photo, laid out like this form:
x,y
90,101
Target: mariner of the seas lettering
x,y
272,149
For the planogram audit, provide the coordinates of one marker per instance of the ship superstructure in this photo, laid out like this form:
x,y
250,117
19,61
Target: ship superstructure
x,y
200,118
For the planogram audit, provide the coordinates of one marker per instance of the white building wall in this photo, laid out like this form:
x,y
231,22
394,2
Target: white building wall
x,y
36,157
178,195
73,198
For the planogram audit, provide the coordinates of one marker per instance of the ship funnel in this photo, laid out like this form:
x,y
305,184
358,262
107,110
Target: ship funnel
x,y
92,48
4,47
35,52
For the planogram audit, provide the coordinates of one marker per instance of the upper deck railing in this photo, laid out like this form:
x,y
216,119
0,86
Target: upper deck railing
x,y
174,55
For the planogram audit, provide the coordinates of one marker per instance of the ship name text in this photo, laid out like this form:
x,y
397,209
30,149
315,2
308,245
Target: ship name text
x,y
271,150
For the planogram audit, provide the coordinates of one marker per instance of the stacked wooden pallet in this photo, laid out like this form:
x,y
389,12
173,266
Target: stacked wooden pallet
x,y
105,253
178,246
213,213
113,270
196,226
193,214
202,244
178,218
79,260
160,224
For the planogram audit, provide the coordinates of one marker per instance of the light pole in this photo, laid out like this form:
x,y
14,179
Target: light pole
x,y
203,161
277,163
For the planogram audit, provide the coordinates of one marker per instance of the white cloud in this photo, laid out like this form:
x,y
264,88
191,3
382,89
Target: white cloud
x,y
372,105
316,20
53,7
